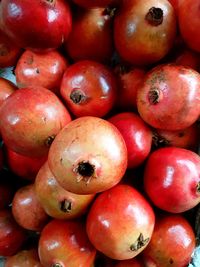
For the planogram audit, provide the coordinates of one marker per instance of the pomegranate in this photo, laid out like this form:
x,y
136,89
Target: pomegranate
x,y
164,86
31,126
137,135
72,245
9,52
188,17
44,70
6,89
12,236
172,179
57,202
144,30
120,222
36,25
89,155
172,242
89,89
95,28
23,166
27,209
24,258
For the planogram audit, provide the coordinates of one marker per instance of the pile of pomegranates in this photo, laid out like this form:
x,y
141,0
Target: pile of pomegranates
x,y
99,135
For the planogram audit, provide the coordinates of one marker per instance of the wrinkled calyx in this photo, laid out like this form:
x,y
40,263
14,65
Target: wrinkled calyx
x,y
66,206
139,243
85,169
198,188
154,96
154,16
77,96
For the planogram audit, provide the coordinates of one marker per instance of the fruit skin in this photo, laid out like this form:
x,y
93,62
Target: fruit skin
x,y
23,166
9,52
138,41
137,136
89,155
27,209
187,138
46,70
120,222
95,28
172,243
6,89
72,245
39,25
95,3
29,128
12,236
172,178
89,89
57,202
24,258
188,14
130,263
165,100
129,82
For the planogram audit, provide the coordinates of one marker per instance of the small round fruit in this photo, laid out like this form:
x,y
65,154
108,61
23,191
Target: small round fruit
x,y
34,25
27,209
172,243
89,155
23,166
46,70
24,258
12,236
170,97
30,119
137,136
120,222
65,243
144,30
172,179
89,89
56,201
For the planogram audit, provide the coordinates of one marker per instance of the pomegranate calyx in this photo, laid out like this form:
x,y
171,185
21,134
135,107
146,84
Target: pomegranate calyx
x,y
139,243
154,96
154,16
66,206
57,265
78,96
198,188
49,140
85,171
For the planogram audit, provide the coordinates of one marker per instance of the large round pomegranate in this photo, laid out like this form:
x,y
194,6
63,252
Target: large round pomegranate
x,y
88,156
36,25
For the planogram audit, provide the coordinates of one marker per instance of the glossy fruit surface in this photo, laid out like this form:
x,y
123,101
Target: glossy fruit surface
x,y
12,236
31,126
172,243
57,202
88,156
170,97
40,25
89,89
144,30
72,245
120,222
46,70
96,42
172,179
137,136
27,209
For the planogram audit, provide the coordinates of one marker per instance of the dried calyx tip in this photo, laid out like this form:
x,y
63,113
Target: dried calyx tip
x,y
77,96
154,16
66,205
85,169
